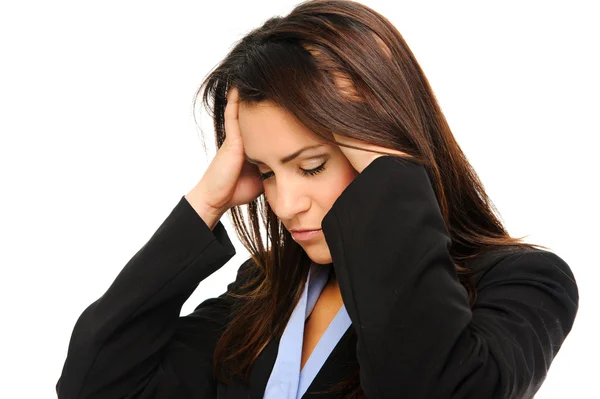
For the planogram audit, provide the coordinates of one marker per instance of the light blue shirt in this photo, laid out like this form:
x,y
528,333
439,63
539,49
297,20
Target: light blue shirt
x,y
286,380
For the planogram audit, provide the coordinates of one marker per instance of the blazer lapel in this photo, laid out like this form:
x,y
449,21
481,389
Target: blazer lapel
x,y
339,365
262,368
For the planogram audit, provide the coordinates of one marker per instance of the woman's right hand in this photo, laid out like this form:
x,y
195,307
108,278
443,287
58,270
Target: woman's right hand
x,y
230,180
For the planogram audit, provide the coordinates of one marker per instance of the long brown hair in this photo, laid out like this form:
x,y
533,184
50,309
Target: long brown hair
x,y
338,66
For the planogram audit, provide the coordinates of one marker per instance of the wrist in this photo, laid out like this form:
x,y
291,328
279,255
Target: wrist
x,y
207,213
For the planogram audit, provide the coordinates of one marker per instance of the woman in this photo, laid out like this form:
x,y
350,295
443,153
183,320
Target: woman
x,y
404,283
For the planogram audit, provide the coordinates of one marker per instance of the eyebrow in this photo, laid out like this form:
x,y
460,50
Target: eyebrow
x,y
287,158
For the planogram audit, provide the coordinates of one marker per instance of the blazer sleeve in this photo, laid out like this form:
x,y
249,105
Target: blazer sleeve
x,y
132,342
417,336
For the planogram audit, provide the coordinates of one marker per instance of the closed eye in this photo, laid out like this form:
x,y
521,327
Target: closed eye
x,y
311,172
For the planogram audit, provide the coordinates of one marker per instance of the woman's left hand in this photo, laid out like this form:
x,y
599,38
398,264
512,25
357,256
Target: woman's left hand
x,y
360,159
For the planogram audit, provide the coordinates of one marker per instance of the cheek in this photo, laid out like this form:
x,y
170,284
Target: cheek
x,y
271,196
332,187
336,186
346,174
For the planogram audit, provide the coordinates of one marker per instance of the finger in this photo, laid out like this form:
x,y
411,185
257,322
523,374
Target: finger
x,y
358,145
232,129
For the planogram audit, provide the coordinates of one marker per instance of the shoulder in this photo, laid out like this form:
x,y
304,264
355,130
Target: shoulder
x,y
524,266
248,275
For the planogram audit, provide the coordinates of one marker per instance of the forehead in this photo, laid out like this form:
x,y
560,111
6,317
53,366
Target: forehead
x,y
266,127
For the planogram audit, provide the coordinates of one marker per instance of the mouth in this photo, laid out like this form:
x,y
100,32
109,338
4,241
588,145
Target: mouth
x,y
305,235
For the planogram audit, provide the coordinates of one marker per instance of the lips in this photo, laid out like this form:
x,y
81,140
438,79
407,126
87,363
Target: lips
x,y
305,235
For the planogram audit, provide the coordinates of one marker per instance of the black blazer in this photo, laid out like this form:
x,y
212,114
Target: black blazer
x,y
413,332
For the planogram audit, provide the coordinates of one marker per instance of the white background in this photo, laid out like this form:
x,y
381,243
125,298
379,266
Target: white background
x,y
98,145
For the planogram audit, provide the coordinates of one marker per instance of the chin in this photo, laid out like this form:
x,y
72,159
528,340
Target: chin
x,y
320,257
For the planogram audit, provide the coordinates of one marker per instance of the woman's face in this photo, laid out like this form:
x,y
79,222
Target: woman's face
x,y
302,190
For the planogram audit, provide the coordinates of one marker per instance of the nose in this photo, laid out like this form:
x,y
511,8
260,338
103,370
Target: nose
x,y
290,199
